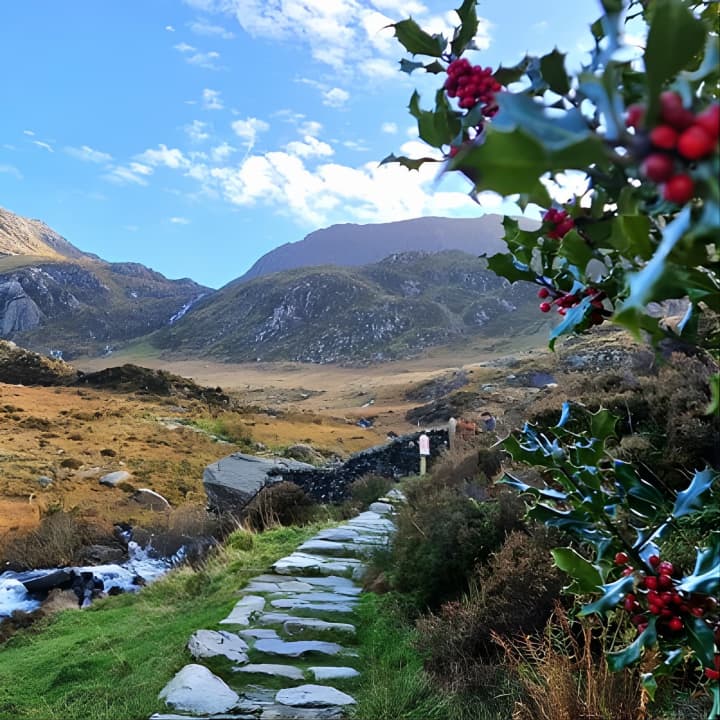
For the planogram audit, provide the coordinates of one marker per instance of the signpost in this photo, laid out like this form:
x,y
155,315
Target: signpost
x,y
424,446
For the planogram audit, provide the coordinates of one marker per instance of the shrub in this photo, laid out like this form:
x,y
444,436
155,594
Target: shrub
x,y
282,503
369,488
442,535
513,594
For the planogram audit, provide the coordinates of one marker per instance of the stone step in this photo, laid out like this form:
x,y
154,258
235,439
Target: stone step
x,y
211,643
328,607
333,673
244,610
335,582
313,696
337,549
221,716
284,712
286,671
298,648
304,564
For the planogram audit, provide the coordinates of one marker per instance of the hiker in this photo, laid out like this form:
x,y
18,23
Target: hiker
x,y
466,429
488,422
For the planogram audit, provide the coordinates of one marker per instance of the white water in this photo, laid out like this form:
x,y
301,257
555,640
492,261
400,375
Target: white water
x,y
13,595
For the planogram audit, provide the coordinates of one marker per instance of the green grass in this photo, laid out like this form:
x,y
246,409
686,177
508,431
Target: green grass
x,y
111,661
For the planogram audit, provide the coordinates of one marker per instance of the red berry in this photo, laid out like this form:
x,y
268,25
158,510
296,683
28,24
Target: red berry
x,y
697,611
695,143
654,560
621,558
628,571
676,624
545,307
543,293
651,582
638,619
665,582
663,136
630,604
654,609
641,628
635,116
710,120
712,674
673,113
666,568
658,167
679,189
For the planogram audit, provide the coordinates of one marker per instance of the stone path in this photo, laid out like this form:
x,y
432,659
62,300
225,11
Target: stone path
x,y
286,650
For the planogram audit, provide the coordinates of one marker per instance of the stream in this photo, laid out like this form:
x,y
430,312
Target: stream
x,y
130,576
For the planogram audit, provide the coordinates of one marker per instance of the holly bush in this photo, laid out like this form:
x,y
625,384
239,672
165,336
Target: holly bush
x,y
641,128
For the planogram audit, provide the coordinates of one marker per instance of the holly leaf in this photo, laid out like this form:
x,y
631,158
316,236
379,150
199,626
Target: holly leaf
x,y
576,249
574,319
631,654
507,75
602,424
586,577
468,26
690,500
700,639
416,41
504,265
706,575
673,26
552,67
409,66
613,593
409,163
555,130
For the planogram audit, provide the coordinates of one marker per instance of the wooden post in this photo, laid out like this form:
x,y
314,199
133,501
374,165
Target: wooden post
x,y
423,465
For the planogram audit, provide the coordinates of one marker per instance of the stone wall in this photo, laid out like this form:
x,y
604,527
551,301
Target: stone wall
x,y
233,481
396,459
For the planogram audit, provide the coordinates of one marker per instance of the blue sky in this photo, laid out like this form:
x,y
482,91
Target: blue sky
x,y
196,135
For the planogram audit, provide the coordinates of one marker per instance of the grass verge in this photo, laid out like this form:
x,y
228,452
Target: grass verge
x,y
112,660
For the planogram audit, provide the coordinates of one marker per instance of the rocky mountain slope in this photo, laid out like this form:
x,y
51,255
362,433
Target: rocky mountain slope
x,y
393,309
352,245
56,299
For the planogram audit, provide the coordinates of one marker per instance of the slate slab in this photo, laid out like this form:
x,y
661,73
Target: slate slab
x,y
244,609
333,673
313,696
211,643
283,712
297,648
197,690
292,626
286,671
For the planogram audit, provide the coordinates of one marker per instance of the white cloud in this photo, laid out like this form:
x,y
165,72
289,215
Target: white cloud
x,y
43,145
30,133
402,8
205,60
211,99
169,157
197,131
335,97
202,27
389,127
179,220
11,170
222,152
170,28
183,47
249,128
88,154
310,147
356,145
140,168
122,175
310,127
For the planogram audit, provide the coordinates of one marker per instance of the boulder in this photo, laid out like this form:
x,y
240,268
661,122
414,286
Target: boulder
x,y
230,483
304,453
42,581
102,555
195,689
150,499
113,479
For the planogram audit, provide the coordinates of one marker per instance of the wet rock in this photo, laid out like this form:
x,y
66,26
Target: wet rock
x,y
333,673
244,610
293,626
102,555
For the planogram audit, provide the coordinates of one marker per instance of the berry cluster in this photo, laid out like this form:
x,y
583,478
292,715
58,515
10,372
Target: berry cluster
x,y
681,138
560,221
473,85
657,594
564,301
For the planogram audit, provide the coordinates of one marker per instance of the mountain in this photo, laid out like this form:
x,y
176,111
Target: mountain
x,y
352,245
57,299
392,309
